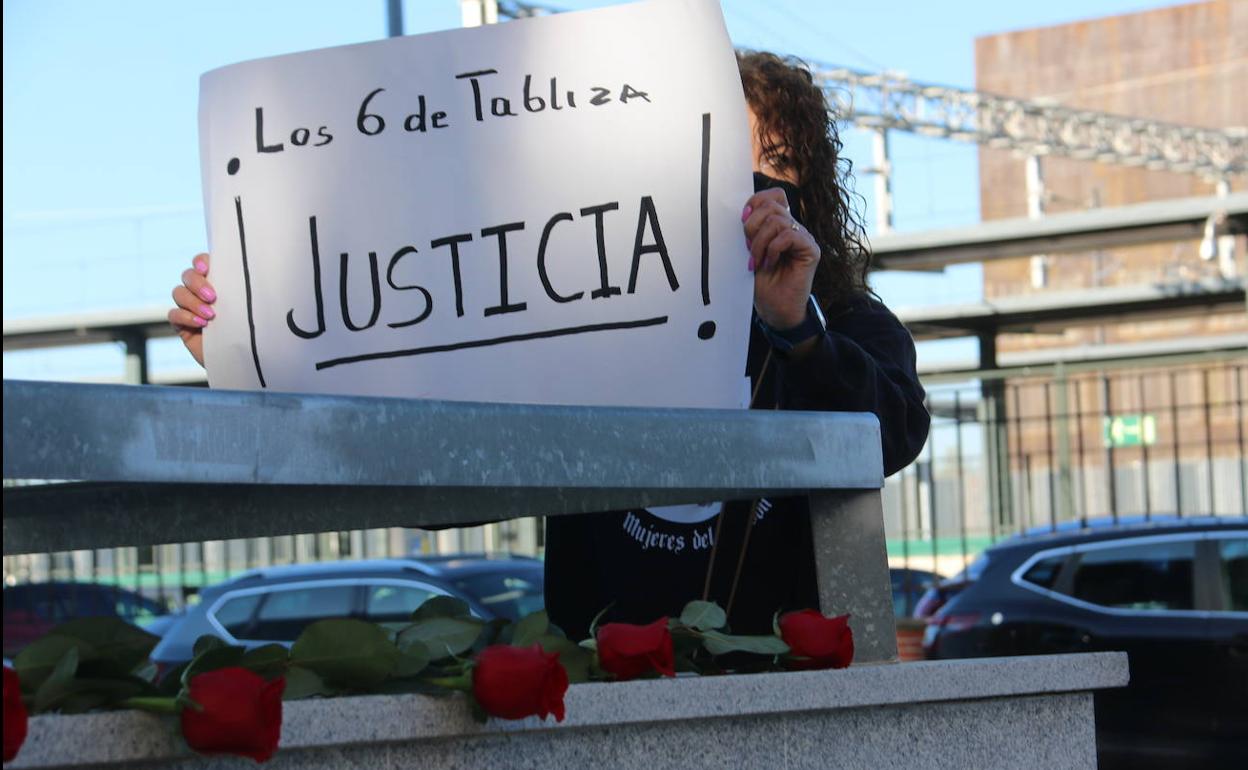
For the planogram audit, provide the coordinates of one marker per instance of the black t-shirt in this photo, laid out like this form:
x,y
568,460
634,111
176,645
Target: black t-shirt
x,y
645,566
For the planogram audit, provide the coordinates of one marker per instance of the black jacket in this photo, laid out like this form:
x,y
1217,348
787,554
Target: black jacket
x,y
646,567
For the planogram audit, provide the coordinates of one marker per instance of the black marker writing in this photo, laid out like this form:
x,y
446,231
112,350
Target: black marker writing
x,y
501,232
606,289
505,340
563,216
453,241
647,216
375,281
394,261
501,105
476,88
299,137
251,316
416,121
316,291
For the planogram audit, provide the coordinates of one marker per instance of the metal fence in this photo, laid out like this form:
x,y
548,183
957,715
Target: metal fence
x,y
1011,456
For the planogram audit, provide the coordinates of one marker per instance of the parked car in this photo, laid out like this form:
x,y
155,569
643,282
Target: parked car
x,y
1172,593
275,604
939,592
33,609
909,585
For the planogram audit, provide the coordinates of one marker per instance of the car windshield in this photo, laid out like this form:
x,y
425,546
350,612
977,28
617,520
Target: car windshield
x,y
510,595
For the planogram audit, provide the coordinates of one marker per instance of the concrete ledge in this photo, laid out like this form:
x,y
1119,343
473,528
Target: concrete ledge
x,y
980,701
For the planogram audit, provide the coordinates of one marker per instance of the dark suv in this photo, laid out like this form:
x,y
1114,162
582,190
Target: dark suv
x,y
1172,593
275,604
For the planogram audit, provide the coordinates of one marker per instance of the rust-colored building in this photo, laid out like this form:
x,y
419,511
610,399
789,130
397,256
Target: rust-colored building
x,y
1186,64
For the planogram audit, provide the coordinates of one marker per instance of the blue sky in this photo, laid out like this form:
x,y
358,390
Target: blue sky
x,y
101,197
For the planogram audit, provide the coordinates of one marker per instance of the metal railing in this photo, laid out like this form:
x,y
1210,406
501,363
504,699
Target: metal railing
x,y
1180,449
1112,444
153,465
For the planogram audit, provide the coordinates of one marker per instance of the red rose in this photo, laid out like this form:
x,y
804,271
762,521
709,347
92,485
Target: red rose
x,y
14,715
516,682
241,714
823,642
629,651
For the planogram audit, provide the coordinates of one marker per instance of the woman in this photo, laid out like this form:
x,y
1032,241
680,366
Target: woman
x,y
804,242
809,265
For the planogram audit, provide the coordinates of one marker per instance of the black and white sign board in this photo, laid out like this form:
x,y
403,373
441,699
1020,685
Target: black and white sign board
x,y
541,211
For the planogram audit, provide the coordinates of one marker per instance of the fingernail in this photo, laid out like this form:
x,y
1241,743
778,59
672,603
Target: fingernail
x,y
207,312
746,213
199,321
201,267
751,263
747,244
208,294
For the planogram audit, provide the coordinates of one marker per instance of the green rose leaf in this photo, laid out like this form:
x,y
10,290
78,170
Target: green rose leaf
x,y
529,628
416,685
78,695
268,661
346,652
211,659
443,636
575,658
36,662
685,644
413,658
58,681
304,683
442,607
207,642
719,644
703,616
111,638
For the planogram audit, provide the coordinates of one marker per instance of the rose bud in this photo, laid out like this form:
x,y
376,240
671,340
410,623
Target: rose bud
x,y
517,682
629,651
240,713
817,641
14,715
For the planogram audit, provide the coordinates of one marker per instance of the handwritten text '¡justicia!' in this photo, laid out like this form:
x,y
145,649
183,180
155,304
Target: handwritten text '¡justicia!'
x,y
486,106
648,240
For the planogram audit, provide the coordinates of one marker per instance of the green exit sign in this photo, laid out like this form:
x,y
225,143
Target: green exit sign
x,y
1130,430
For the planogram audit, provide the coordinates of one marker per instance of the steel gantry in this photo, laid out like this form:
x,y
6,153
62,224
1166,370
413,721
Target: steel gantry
x,y
883,101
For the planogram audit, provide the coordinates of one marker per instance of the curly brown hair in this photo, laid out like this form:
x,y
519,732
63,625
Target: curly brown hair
x,y
791,109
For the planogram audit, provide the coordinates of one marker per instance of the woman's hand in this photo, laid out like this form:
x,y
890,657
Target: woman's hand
x,y
783,258
194,298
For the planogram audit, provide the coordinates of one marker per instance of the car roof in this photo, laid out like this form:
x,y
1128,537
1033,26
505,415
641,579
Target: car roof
x,y
1108,528
445,567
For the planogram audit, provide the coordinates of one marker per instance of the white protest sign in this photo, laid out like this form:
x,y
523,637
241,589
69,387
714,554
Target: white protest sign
x,y
542,211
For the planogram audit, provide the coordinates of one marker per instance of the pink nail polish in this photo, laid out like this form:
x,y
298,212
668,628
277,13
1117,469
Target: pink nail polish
x,y
751,263
201,267
746,213
207,312
747,243
199,321
208,294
